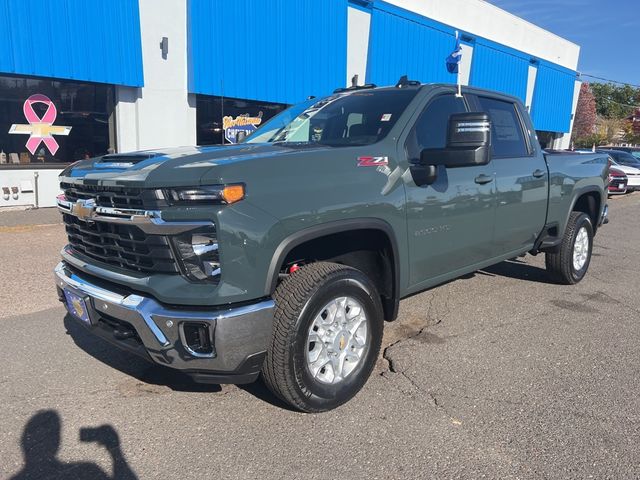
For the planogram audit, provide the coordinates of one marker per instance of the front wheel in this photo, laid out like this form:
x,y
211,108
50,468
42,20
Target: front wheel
x,y
326,337
569,265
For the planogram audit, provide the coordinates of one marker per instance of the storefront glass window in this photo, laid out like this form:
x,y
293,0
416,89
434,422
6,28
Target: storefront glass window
x,y
228,120
46,122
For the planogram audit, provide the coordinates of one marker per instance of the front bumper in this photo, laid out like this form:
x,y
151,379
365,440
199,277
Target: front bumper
x,y
143,326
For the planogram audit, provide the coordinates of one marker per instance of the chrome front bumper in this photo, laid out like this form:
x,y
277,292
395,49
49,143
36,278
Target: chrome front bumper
x,y
240,334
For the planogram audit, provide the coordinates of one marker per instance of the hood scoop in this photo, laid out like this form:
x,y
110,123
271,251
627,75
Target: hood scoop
x,y
123,160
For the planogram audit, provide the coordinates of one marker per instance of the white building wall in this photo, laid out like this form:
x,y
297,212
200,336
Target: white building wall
x,y
26,183
481,18
358,25
162,113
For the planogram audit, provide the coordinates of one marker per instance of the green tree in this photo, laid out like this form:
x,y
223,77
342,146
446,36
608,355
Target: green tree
x,y
614,101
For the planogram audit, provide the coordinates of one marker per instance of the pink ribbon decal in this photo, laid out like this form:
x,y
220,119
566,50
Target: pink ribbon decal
x,y
40,129
47,119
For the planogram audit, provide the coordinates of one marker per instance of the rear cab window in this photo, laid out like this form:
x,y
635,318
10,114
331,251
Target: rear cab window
x,y
507,134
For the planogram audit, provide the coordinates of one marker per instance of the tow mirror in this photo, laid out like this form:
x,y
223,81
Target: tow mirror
x,y
468,144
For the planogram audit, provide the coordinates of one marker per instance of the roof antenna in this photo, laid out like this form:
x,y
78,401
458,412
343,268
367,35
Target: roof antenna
x,y
354,80
403,82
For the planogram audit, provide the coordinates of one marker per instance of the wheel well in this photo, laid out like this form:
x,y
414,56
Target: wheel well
x,y
589,203
368,250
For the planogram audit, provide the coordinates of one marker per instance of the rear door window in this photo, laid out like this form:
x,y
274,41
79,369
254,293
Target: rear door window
x,y
507,136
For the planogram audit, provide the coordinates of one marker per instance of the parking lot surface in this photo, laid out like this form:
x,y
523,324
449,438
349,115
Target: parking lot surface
x,y
499,374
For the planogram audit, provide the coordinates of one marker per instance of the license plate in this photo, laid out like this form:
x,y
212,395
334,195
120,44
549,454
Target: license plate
x,y
77,306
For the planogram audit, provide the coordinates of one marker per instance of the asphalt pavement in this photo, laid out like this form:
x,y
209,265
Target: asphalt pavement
x,y
499,374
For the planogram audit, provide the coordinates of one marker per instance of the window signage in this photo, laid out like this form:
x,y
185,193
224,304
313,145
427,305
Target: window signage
x,y
242,123
40,129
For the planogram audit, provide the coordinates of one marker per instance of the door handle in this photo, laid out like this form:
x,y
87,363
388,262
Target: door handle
x,y
482,179
539,173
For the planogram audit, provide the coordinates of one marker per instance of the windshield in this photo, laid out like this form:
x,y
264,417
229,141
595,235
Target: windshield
x,y
354,118
625,158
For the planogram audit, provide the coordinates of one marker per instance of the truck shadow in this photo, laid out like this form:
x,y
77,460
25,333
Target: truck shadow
x,y
131,364
517,269
149,373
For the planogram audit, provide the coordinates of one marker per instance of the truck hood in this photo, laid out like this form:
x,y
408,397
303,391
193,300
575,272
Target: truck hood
x,y
183,166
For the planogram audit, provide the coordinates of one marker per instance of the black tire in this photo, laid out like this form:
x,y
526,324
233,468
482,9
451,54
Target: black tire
x,y
299,299
560,264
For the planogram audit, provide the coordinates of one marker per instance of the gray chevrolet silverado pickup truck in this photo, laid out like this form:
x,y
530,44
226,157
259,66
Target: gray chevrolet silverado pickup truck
x,y
283,255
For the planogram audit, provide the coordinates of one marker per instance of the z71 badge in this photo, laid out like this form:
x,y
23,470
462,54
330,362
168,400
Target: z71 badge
x,y
373,161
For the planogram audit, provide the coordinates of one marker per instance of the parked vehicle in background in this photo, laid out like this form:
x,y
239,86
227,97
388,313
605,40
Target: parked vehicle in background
x,y
633,175
617,181
635,151
285,254
622,158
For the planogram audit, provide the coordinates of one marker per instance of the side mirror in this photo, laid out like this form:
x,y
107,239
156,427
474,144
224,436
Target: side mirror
x,y
468,144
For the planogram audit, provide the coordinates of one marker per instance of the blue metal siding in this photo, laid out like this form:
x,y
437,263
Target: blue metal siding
x,y
553,98
97,41
278,51
496,69
404,43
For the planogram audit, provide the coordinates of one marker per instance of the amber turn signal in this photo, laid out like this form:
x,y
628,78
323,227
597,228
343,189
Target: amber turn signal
x,y
233,193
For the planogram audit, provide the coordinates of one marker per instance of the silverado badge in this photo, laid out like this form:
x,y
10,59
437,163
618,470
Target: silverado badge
x,y
83,209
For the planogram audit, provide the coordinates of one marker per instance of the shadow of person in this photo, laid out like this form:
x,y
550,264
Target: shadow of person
x,y
41,442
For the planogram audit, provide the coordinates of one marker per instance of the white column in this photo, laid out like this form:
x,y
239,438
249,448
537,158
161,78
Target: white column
x,y
358,25
162,113
465,64
531,83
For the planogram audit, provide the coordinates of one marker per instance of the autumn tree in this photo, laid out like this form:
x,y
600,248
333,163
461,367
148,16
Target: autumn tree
x,y
585,120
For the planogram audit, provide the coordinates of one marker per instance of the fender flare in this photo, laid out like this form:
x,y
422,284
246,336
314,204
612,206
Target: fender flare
x,y
579,193
298,238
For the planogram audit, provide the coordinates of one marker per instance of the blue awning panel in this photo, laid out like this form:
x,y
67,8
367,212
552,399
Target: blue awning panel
x,y
277,51
499,69
553,98
97,41
403,43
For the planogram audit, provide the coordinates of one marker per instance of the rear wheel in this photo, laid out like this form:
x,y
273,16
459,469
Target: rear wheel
x,y
326,336
569,265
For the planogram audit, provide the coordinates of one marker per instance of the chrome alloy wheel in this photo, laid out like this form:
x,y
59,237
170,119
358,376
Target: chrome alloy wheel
x,y
580,249
337,339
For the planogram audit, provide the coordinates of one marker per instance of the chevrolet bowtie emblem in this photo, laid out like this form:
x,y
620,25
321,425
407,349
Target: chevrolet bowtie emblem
x,y
83,209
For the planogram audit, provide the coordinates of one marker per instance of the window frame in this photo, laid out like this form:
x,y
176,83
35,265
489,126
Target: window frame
x,y
519,120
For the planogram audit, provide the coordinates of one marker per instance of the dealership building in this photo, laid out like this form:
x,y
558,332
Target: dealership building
x,y
83,78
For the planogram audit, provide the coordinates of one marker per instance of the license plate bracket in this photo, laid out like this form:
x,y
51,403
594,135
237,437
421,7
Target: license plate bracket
x,y
77,306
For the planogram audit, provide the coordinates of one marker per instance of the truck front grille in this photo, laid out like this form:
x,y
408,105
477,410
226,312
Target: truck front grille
x,y
113,197
124,246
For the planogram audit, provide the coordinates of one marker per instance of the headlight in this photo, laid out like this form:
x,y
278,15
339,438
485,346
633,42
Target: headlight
x,y
198,255
224,194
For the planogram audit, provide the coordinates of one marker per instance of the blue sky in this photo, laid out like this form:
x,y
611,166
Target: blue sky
x,y
608,32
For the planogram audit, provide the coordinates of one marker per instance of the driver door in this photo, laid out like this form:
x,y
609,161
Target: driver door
x,y
450,222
